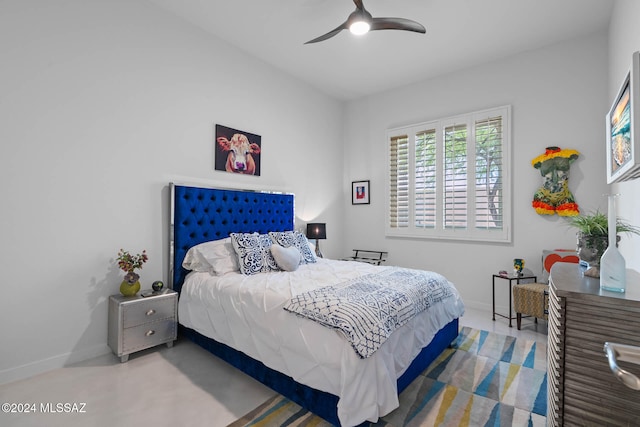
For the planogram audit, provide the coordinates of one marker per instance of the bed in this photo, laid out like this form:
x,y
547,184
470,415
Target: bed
x,y
233,315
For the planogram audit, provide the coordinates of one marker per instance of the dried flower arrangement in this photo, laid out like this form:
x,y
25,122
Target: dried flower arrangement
x,y
129,263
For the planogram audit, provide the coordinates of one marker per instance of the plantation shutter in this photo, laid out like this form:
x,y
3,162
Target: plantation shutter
x,y
425,179
449,178
455,176
489,172
399,182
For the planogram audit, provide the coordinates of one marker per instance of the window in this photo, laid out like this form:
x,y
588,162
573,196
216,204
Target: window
x,y
450,178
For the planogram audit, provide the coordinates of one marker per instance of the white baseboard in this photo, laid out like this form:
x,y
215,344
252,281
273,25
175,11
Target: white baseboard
x,y
34,368
481,306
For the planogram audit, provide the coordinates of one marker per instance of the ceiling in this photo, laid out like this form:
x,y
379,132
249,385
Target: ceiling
x,y
460,34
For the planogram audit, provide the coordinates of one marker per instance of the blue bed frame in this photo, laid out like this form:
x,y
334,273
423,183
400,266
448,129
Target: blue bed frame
x,y
202,214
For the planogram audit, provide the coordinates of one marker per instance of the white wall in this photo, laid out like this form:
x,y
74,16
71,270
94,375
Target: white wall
x,y
624,39
102,104
557,97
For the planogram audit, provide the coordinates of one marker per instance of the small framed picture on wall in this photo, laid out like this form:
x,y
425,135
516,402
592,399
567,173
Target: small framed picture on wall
x,y
360,193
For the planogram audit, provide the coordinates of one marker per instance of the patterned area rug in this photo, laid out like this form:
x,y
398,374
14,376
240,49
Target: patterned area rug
x,y
485,379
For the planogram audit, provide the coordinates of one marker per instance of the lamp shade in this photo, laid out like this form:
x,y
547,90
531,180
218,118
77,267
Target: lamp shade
x,y
316,230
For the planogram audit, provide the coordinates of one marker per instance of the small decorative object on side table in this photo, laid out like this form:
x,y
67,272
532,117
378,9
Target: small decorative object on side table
x,y
137,323
157,286
518,265
509,277
129,263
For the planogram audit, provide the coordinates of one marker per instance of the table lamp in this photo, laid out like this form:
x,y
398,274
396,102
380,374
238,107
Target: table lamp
x,y
317,230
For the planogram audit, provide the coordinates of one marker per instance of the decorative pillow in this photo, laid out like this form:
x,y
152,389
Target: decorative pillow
x,y
551,257
215,257
288,259
297,239
254,254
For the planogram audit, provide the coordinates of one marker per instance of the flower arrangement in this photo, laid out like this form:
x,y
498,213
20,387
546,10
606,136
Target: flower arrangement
x,y
129,263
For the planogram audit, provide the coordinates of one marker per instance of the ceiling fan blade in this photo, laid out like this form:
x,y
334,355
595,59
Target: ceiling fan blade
x,y
362,15
397,24
329,34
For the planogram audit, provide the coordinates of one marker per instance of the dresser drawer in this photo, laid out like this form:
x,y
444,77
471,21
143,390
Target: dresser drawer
x,y
148,335
147,311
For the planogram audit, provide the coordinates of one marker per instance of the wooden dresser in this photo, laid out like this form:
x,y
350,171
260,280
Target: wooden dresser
x,y
581,388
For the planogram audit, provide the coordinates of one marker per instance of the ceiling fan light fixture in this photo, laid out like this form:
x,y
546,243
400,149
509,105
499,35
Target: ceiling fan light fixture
x,y
361,22
359,28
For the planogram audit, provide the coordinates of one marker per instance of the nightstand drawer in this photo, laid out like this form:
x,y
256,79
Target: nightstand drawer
x,y
147,311
137,322
148,335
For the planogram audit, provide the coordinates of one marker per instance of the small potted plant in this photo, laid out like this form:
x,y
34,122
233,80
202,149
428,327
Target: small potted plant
x,y
129,263
593,235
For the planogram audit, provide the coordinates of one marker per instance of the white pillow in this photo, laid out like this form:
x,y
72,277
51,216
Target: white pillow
x,y
215,257
287,259
296,239
254,254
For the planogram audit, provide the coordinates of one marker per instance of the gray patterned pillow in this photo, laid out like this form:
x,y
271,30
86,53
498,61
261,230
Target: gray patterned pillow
x,y
297,239
254,253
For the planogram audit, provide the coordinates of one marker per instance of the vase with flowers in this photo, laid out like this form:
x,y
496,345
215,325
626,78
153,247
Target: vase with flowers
x,y
129,263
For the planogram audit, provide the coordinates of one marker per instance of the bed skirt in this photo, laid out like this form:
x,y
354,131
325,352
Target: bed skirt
x,y
319,402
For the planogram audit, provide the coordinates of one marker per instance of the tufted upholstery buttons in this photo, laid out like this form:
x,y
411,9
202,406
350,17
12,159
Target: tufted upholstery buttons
x,y
200,213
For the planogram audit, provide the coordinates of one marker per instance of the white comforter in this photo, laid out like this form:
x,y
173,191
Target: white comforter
x,y
246,313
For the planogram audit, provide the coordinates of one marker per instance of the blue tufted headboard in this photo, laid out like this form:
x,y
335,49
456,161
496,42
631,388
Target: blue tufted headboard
x,y
203,214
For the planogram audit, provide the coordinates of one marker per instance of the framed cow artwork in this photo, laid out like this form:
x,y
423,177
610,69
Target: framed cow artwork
x,y
237,151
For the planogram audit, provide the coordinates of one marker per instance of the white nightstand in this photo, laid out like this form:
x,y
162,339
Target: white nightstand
x,y
137,323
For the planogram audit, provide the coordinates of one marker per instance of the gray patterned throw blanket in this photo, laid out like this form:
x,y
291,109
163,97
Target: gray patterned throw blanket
x,y
368,309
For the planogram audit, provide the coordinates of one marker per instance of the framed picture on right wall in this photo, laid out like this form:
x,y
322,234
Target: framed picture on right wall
x,y
623,128
360,193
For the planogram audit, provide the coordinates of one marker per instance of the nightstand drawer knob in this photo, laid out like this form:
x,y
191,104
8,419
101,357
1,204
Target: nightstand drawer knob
x,y
150,332
151,312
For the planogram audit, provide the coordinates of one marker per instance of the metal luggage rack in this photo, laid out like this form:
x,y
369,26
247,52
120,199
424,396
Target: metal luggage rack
x,y
368,256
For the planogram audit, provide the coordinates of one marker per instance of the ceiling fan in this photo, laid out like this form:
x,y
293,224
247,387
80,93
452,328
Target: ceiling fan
x,y
360,22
